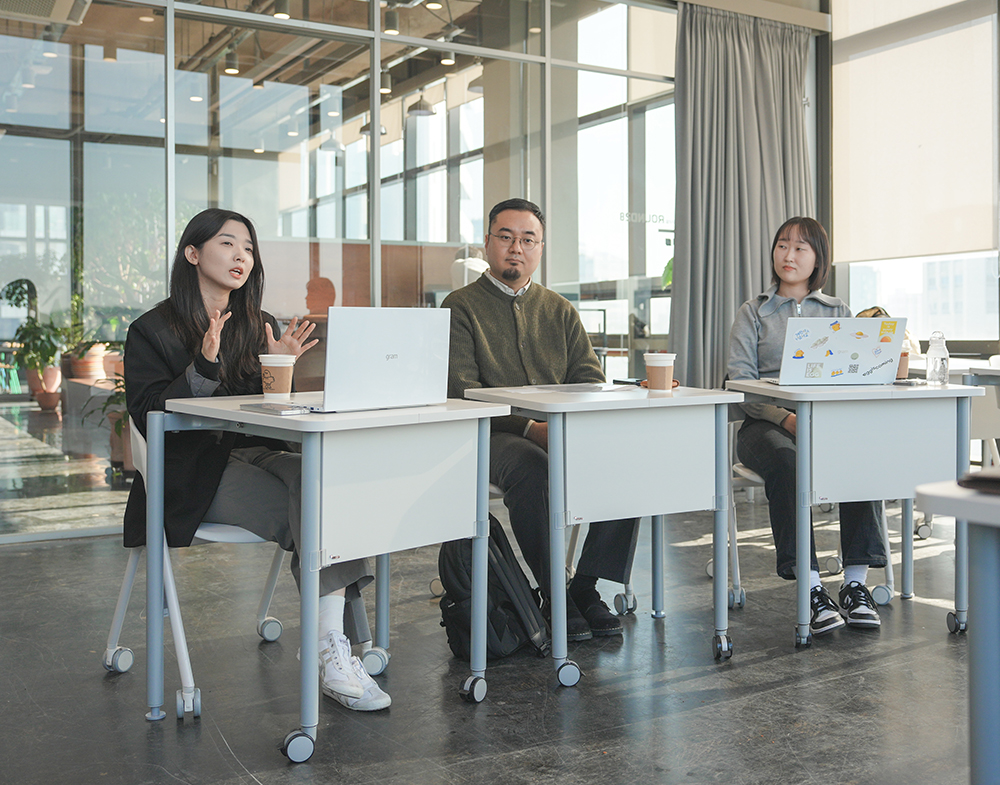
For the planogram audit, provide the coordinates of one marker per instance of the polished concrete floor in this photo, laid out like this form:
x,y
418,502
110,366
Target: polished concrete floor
x,y
653,707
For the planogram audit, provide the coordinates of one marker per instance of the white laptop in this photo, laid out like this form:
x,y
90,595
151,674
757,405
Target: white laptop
x,y
830,351
385,358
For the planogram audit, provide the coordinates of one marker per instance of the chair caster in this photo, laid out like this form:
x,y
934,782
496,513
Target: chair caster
x,y
834,565
923,531
803,642
954,624
737,599
623,606
569,674
882,594
436,587
722,647
825,507
298,746
191,704
473,689
270,629
375,660
119,661
710,568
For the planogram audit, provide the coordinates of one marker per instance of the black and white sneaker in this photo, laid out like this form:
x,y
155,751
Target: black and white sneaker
x,y
857,601
825,613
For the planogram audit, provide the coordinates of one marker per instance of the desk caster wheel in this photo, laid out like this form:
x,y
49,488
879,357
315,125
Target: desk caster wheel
x,y
473,690
436,587
834,565
722,647
194,706
954,625
923,530
710,568
270,629
803,642
737,599
298,746
375,660
120,661
623,606
882,594
569,674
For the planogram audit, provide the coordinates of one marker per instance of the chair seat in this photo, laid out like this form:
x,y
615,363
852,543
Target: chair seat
x,y
748,474
224,532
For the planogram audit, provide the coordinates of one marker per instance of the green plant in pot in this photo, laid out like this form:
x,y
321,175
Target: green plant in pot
x,y
113,410
38,346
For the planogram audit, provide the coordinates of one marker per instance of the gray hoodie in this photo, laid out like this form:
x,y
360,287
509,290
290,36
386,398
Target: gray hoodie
x,y
758,337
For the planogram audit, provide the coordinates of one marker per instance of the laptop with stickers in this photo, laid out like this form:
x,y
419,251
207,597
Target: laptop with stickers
x,y
832,351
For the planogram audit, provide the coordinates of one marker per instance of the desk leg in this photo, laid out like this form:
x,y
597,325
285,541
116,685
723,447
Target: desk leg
x,y
382,573
567,671
722,647
300,744
906,592
474,688
803,489
659,586
959,620
984,654
154,565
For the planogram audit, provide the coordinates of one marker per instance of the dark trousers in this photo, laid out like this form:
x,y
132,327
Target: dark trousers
x,y
769,450
521,469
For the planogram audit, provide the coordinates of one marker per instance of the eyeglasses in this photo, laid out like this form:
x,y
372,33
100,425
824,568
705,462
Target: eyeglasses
x,y
527,243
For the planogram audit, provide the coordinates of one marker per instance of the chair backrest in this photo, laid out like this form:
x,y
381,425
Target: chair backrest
x,y
138,448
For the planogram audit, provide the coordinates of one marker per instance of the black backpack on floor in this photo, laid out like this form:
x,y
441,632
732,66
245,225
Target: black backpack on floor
x,y
513,618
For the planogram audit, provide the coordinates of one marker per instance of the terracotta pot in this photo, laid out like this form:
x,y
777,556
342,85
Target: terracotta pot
x,y
47,381
91,365
121,445
111,362
48,401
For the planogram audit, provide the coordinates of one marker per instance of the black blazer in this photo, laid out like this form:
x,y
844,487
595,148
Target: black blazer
x,y
156,364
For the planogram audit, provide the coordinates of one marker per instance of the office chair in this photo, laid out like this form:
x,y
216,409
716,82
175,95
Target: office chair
x,y
120,659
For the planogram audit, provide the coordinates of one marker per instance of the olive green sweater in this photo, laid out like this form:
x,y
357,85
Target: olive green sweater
x,y
502,341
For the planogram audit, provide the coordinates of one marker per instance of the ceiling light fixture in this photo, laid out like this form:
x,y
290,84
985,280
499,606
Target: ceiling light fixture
x,y
49,43
420,108
258,84
366,129
433,6
392,22
260,147
232,63
110,53
147,18
197,98
385,86
281,10
448,58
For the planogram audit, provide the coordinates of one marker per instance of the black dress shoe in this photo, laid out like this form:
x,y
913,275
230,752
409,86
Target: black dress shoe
x,y
577,628
598,617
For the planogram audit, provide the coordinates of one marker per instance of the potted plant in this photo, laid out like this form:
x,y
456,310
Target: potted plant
x,y
37,347
113,411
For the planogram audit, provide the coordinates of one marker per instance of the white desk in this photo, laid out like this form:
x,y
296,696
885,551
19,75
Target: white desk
x,y
982,511
372,482
862,442
680,445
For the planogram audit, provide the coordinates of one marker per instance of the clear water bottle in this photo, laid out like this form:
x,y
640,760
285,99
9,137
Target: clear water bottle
x,y
937,359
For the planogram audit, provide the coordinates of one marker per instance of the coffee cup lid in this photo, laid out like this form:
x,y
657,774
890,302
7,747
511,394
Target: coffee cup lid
x,y
277,359
659,358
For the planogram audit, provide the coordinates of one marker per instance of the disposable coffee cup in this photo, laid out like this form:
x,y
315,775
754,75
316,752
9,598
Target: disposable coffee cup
x,y
904,366
659,370
276,376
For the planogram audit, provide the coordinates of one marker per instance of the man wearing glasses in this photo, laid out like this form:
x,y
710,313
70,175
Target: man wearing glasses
x,y
509,331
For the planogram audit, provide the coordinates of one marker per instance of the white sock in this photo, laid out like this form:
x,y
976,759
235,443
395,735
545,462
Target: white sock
x,y
331,614
855,572
814,580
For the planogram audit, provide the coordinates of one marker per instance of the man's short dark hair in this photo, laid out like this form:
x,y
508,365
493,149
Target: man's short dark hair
x,y
521,205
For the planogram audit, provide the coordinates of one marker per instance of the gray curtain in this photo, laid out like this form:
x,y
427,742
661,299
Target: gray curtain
x,y
742,169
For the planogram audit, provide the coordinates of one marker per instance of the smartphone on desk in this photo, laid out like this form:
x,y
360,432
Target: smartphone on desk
x,y
635,382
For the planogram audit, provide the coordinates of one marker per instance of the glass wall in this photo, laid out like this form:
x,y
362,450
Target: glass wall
x,y
276,121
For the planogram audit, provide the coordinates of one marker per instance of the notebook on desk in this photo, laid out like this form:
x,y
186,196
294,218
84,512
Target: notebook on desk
x,y
385,358
830,351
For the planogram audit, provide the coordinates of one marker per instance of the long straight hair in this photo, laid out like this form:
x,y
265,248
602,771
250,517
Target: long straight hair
x,y
243,336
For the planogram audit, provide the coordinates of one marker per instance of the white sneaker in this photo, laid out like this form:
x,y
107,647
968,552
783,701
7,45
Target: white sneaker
x,y
336,675
374,697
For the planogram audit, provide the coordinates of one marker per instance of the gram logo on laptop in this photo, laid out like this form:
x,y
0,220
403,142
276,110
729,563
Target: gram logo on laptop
x,y
821,350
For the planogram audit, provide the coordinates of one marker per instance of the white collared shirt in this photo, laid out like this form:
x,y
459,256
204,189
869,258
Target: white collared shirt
x,y
505,288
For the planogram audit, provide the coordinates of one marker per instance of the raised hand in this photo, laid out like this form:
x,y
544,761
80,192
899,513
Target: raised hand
x,y
213,336
292,339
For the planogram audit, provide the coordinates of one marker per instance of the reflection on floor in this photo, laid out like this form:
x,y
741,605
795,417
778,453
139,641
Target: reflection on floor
x,y
653,707
54,475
